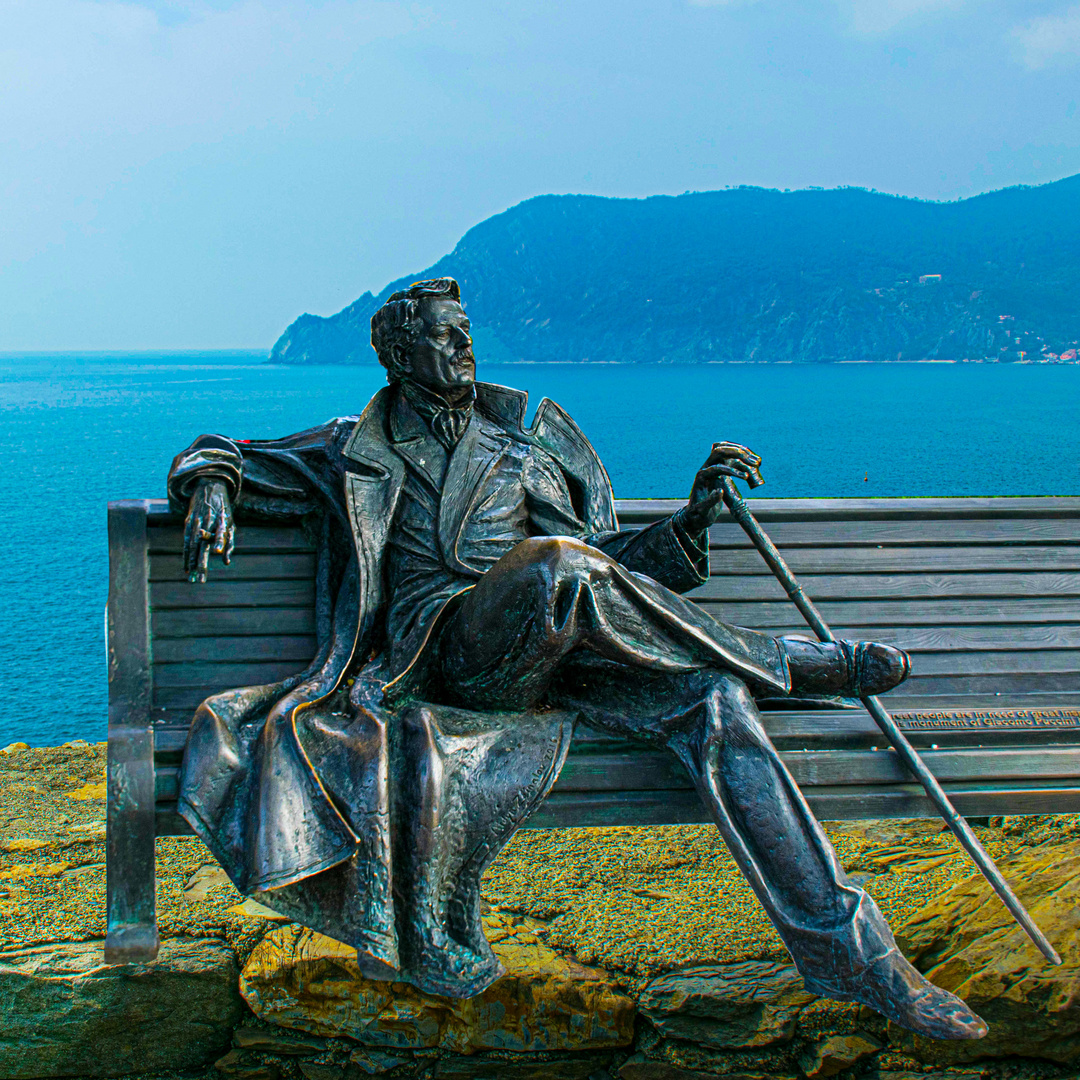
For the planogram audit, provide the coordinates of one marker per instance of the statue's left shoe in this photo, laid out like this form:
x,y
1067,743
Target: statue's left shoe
x,y
895,989
849,668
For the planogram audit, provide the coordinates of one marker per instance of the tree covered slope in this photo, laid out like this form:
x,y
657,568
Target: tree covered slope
x,y
749,274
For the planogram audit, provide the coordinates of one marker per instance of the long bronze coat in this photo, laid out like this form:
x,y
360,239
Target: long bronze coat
x,y
322,792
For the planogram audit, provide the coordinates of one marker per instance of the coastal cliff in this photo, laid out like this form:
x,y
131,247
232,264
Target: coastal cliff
x,y
754,275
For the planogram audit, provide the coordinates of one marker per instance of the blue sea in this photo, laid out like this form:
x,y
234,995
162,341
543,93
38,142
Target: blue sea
x,y
80,430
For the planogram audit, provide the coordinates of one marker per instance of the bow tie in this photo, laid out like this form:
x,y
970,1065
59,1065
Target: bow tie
x,y
447,422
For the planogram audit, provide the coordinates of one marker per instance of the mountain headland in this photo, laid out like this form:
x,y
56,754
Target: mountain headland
x,y
754,275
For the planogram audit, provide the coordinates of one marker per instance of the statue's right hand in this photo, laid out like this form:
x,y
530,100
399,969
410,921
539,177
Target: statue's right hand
x,y
208,529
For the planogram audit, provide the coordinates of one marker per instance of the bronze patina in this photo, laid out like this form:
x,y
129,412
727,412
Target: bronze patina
x,y
476,599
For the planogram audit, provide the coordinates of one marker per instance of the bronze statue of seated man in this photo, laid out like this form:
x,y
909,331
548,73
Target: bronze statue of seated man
x,y
476,599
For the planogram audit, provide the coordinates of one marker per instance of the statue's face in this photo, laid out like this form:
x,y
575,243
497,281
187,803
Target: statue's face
x,y
442,359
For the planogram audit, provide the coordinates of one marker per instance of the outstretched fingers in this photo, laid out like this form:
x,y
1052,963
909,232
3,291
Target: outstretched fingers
x,y
193,529
223,537
203,563
230,539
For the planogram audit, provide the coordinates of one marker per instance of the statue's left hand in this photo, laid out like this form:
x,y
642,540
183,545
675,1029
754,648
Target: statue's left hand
x,y
726,459
208,529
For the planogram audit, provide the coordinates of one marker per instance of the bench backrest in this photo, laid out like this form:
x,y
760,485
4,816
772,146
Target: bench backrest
x,y
985,594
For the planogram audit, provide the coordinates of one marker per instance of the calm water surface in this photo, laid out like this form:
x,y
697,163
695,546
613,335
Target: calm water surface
x,y
78,431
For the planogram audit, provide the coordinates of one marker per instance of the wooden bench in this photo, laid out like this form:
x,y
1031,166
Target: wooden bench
x,y
984,593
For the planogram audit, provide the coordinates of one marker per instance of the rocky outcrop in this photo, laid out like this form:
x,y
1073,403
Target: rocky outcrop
x,y
837,1053
737,1005
545,1002
65,1013
966,942
662,909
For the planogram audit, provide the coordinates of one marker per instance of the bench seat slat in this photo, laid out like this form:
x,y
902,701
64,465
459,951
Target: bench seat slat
x,y
912,559
683,807
919,612
870,533
180,697
824,587
1002,683
657,770
283,539
846,728
235,650
215,594
201,674
901,704
204,654
242,566
643,808
256,622
653,770
926,639
920,508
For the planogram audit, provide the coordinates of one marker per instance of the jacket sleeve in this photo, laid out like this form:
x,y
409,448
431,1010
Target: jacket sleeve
x,y
268,478
664,551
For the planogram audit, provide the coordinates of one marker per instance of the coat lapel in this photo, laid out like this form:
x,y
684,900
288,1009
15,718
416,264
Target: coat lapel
x,y
473,458
412,439
371,494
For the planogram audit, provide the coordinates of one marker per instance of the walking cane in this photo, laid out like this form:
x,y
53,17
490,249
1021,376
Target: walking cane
x,y
906,752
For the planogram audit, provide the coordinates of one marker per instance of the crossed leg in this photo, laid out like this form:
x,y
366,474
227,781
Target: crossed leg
x,y
558,620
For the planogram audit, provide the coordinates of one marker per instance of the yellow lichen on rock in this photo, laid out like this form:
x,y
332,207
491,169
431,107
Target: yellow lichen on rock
x,y
17,873
88,791
967,942
300,979
252,909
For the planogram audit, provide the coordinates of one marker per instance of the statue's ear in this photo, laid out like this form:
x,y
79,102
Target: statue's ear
x,y
399,359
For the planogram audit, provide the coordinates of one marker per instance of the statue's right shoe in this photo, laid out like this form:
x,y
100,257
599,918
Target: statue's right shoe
x,y
895,989
848,668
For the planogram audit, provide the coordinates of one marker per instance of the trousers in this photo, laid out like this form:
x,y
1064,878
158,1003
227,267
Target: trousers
x,y
560,622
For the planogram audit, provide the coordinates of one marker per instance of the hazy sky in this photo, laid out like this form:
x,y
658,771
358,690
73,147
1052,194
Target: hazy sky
x,y
196,173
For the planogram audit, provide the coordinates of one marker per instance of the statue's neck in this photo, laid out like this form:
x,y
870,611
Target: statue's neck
x,y
422,396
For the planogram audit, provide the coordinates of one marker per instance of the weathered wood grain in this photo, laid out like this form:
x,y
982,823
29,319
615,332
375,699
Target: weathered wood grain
x,y
921,509
200,674
216,594
940,639
130,898
927,611
229,622
823,587
233,650
913,558
845,534
683,807
249,539
242,566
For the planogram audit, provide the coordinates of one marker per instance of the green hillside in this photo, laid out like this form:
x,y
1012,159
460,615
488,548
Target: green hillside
x,y
750,274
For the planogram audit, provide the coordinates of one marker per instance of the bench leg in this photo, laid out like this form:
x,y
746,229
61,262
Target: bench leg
x,y
130,878
132,935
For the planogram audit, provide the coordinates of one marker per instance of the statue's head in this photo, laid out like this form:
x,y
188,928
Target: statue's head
x,y
422,333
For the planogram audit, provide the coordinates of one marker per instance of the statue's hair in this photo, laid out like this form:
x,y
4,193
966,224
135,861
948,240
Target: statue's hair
x,y
396,326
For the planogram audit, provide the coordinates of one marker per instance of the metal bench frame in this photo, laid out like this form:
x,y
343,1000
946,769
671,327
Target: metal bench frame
x,y
1001,741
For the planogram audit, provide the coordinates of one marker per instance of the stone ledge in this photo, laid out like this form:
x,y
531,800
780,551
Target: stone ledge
x,y
545,1002
66,1013
658,918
